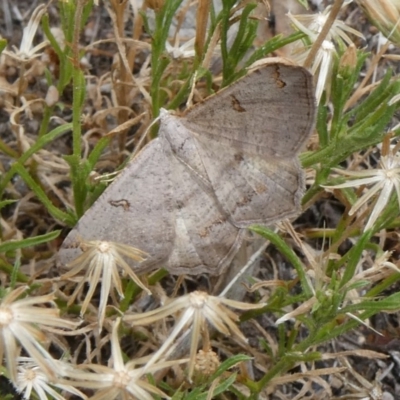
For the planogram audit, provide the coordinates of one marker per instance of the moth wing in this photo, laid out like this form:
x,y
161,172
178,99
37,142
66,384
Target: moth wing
x,y
205,240
179,211
159,207
269,112
135,209
250,188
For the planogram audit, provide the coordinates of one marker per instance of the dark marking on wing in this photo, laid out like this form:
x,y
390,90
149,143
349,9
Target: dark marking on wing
x,y
238,157
277,76
244,200
236,104
261,188
203,233
120,203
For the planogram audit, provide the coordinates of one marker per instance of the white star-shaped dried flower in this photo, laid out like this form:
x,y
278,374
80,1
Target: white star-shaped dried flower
x,y
118,380
177,51
26,51
103,261
25,322
385,180
374,271
324,293
312,26
31,378
196,308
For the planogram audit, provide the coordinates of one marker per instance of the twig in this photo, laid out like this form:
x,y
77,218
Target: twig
x,y
325,30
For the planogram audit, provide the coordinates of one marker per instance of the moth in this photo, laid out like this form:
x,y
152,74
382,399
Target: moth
x,y
229,162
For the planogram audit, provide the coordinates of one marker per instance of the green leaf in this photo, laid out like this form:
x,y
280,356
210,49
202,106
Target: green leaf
x,y
321,125
390,303
3,44
15,273
219,389
10,271
159,62
80,170
243,42
229,363
304,3
287,252
40,143
374,100
353,256
5,203
272,45
13,245
41,195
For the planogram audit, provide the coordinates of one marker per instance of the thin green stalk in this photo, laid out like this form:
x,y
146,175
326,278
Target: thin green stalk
x,y
288,253
40,143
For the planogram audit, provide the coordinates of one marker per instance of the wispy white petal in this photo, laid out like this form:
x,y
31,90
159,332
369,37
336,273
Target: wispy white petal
x,y
380,204
365,197
384,179
356,182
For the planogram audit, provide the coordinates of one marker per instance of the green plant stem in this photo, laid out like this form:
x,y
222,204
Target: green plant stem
x,y
288,253
40,143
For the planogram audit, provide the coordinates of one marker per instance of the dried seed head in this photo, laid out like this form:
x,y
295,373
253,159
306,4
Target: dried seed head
x,y
348,61
206,363
52,96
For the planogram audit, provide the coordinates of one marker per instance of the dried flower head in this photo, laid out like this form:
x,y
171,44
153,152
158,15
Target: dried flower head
x,y
312,26
197,308
31,378
385,180
103,261
118,380
26,51
206,363
177,51
24,321
328,296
